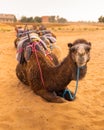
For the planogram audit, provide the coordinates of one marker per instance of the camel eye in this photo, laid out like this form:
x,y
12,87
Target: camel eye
x,y
73,49
88,49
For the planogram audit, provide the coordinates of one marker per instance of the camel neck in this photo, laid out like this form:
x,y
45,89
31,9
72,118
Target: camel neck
x,y
66,68
64,73
58,77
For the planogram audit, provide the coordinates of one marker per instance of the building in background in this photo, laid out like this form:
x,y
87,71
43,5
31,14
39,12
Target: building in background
x,y
45,19
7,18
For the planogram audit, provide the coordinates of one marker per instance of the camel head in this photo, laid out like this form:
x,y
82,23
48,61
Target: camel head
x,y
80,52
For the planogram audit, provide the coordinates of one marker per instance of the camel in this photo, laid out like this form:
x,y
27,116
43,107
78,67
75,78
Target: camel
x,y
19,33
55,78
49,38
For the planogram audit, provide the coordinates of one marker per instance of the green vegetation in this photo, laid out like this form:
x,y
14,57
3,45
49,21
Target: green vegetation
x,y
101,19
37,19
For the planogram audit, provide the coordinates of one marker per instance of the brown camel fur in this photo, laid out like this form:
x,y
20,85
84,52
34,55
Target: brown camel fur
x,y
56,78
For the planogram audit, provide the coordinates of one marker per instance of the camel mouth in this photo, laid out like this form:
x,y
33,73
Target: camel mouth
x,y
81,64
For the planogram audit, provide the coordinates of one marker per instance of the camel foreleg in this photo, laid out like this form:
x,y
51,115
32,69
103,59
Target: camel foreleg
x,y
50,96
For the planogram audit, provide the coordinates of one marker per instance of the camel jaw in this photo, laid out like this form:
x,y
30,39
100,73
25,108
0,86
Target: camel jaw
x,y
81,65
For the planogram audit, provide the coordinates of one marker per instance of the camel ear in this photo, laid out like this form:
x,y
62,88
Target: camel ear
x,y
70,45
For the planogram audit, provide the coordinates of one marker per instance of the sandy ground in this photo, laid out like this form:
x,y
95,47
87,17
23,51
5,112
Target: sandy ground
x,y
21,109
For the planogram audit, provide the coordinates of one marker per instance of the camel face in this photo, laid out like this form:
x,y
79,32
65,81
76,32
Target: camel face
x,y
80,53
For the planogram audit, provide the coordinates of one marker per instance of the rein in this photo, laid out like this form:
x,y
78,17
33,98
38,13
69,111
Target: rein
x,y
72,96
33,45
34,50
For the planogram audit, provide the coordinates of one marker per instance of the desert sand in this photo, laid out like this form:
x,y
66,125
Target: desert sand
x,y
21,109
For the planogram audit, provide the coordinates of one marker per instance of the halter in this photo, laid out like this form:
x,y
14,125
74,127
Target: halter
x,y
72,97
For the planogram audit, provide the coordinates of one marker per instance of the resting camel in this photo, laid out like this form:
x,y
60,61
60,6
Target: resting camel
x,y
49,38
55,78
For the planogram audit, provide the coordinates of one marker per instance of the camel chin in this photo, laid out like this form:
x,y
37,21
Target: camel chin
x,y
81,65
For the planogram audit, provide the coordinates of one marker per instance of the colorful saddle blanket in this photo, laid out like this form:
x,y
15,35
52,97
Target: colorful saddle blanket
x,y
24,48
50,38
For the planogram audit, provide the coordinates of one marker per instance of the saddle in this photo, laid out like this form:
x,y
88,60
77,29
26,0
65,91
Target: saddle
x,y
24,48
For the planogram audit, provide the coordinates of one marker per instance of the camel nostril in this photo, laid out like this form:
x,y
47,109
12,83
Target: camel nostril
x,y
82,53
81,60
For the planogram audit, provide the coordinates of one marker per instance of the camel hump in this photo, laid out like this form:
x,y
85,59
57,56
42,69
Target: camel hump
x,y
24,51
26,47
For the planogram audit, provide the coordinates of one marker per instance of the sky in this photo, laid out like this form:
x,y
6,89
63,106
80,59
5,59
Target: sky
x,y
72,10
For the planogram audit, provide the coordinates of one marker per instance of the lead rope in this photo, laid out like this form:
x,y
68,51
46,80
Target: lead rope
x,y
72,97
41,75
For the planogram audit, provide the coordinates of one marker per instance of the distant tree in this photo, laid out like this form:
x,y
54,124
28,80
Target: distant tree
x,y
30,19
101,19
52,19
15,19
57,19
23,19
38,19
26,19
62,20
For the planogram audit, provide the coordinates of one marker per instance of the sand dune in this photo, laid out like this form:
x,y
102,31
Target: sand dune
x,y
21,109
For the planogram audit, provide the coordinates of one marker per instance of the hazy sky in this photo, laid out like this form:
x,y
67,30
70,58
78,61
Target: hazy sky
x,y
72,10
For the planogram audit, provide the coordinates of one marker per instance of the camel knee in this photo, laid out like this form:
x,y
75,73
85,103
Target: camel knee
x,y
50,96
